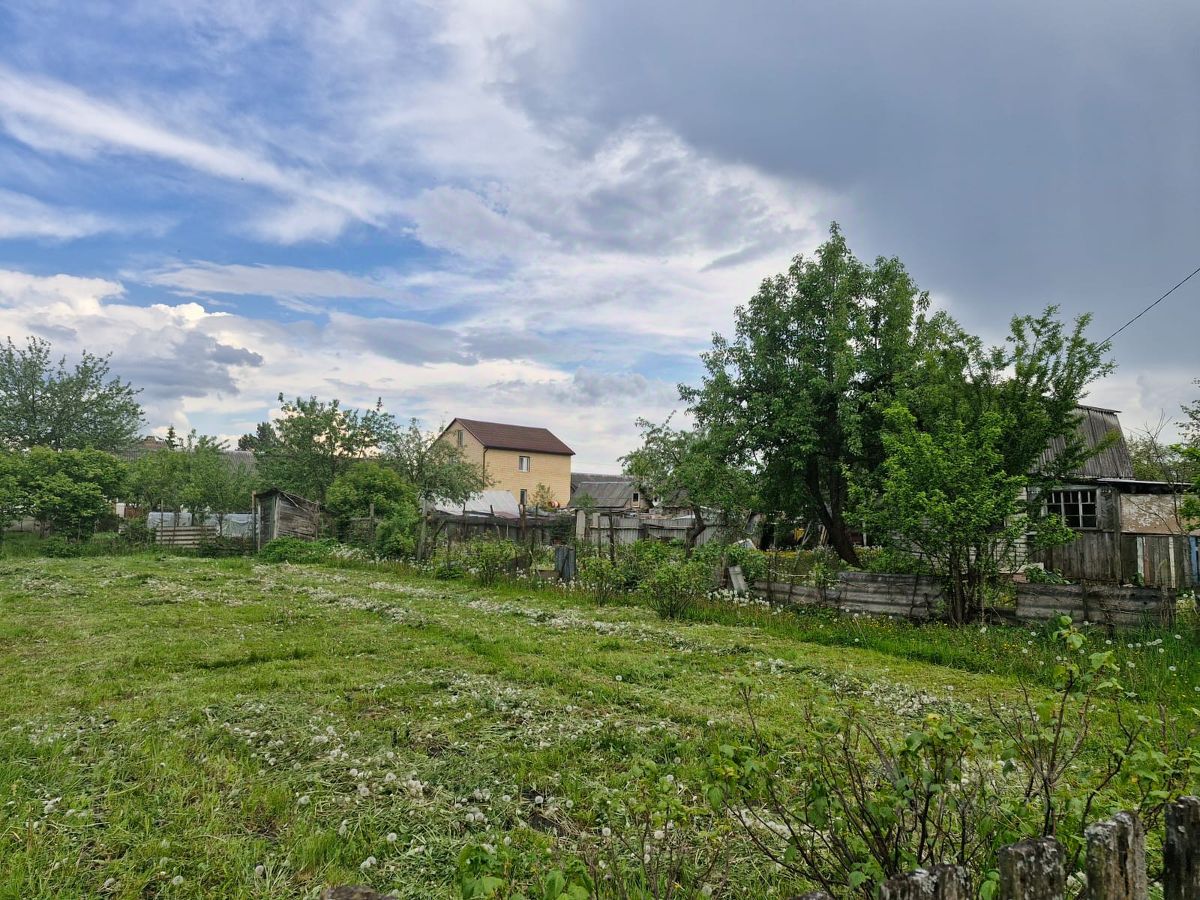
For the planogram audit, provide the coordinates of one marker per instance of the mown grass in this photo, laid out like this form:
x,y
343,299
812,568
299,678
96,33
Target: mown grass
x,y
182,727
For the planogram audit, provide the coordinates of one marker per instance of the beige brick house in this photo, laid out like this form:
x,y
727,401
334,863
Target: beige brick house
x,y
515,458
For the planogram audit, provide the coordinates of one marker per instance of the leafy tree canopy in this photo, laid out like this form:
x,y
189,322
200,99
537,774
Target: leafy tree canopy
x,y
436,468
369,487
314,441
798,393
44,403
689,467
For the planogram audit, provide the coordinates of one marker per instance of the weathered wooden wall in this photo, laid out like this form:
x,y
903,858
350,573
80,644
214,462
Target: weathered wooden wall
x,y
1156,560
920,597
1108,604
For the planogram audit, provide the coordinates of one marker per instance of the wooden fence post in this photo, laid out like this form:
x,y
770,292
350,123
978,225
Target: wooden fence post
x,y
934,883
1181,852
1116,859
1032,870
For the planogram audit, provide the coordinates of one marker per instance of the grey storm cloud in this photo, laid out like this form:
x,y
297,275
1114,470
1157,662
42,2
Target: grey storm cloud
x,y
1012,154
234,356
194,365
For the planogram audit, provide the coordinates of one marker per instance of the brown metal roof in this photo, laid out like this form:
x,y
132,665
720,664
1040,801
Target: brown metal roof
x,y
1095,425
499,436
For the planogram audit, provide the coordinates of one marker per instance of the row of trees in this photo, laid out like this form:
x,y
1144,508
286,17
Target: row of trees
x,y
841,400
361,462
357,462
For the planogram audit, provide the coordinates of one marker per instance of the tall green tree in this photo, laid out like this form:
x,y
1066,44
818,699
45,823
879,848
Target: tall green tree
x,y
13,499
158,479
370,488
1032,384
214,483
798,392
314,441
46,403
435,468
690,467
70,491
945,495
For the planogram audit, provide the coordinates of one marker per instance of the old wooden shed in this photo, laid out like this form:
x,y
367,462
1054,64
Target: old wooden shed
x,y
1128,531
279,513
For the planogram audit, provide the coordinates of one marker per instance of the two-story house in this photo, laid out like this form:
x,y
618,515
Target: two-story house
x,y
515,458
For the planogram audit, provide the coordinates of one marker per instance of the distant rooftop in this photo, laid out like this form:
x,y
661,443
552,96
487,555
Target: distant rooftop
x,y
499,436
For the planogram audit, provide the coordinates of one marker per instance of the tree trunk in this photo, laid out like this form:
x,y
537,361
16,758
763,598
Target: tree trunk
x,y
830,514
695,529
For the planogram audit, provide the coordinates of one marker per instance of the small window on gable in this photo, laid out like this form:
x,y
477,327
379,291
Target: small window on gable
x,y
1077,508
636,498
461,439
522,463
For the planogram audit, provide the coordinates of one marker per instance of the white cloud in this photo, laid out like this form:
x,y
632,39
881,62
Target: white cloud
x,y
212,369
273,281
22,216
58,117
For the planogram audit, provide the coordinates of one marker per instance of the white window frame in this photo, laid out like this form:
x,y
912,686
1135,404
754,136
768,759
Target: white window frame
x,y
524,463
462,442
523,498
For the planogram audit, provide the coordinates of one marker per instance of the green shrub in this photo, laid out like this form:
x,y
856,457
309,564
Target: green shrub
x,y
395,538
218,546
636,561
600,578
489,560
675,586
60,548
137,533
450,570
1039,575
893,561
752,562
295,550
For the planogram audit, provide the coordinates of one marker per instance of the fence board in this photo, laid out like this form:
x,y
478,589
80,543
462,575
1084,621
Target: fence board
x,y
1033,870
1116,859
187,536
1181,850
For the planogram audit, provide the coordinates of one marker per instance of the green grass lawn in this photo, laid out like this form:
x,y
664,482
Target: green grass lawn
x,y
181,727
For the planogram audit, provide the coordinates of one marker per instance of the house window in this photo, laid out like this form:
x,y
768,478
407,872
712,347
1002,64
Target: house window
x,y
461,441
524,493
1077,508
636,498
522,464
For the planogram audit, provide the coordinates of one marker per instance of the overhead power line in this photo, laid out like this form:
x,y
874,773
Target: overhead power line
x,y
1152,305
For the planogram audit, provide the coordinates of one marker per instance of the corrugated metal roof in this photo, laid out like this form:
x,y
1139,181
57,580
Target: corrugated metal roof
x,y
500,436
1095,425
490,503
607,493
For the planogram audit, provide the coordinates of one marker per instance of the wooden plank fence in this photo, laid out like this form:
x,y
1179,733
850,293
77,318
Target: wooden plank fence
x,y
1035,869
186,536
1108,604
920,597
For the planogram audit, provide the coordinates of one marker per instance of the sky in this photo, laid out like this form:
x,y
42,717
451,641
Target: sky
x,y
540,212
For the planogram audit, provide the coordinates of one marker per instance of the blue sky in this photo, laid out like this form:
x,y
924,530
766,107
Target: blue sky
x,y
540,211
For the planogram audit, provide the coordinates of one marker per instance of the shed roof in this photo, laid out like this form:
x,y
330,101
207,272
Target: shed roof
x,y
500,436
490,502
1095,424
607,493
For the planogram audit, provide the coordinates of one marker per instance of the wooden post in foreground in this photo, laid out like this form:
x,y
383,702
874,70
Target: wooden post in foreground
x,y
1033,870
1116,859
1181,851
935,883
